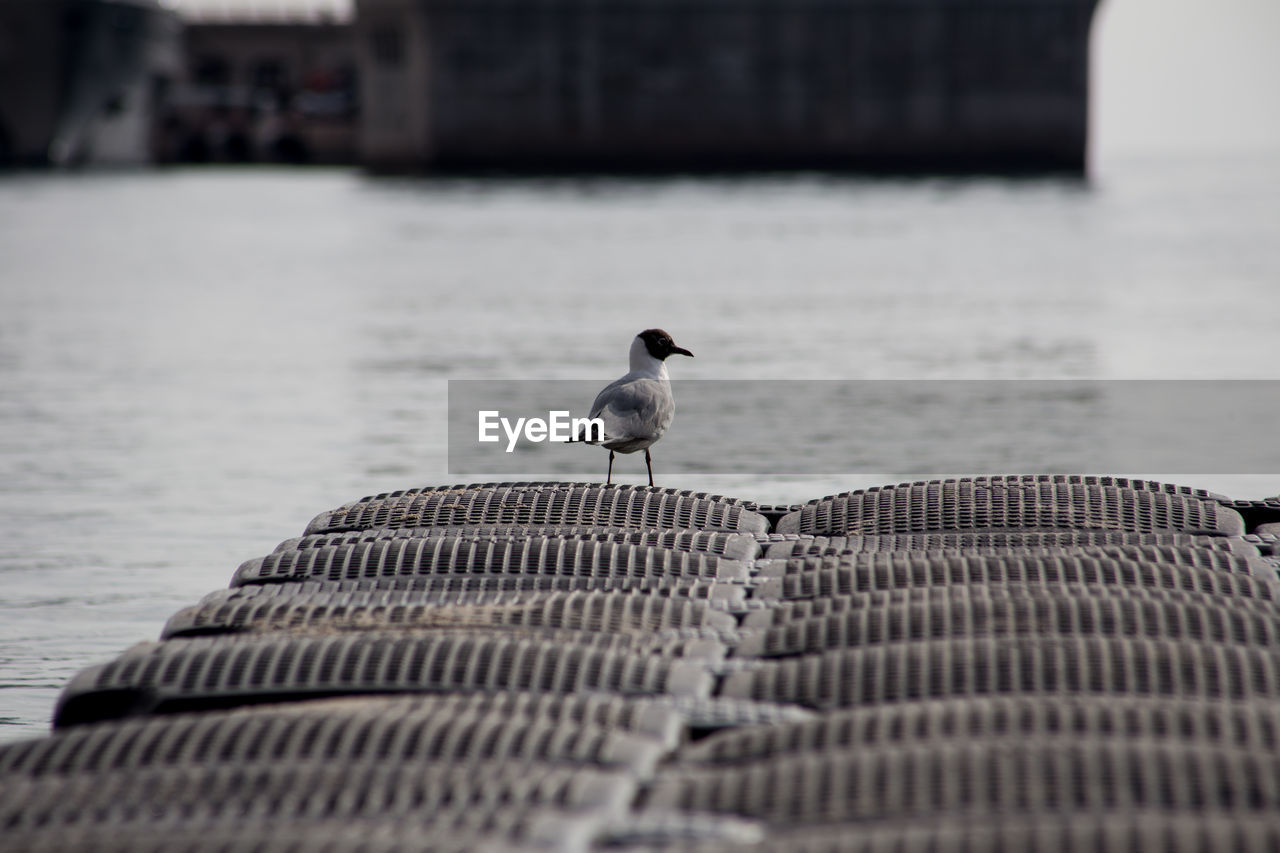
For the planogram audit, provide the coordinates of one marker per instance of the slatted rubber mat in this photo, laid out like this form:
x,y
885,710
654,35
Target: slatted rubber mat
x,y
974,777
1077,479
458,556
480,588
656,717
949,571
786,612
811,546
1036,612
734,546
347,836
935,666
938,669
1268,545
717,712
1257,513
552,486
1236,725
493,799
423,736
547,504
180,675
1129,831
957,505
1073,559
582,611
1126,832
708,650
652,830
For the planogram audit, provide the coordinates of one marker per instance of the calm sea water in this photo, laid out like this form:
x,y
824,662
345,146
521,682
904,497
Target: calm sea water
x,y
194,363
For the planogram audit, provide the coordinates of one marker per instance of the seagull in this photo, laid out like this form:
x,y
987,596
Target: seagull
x,y
638,408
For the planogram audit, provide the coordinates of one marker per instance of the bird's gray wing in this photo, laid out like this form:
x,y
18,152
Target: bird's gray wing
x,y
634,408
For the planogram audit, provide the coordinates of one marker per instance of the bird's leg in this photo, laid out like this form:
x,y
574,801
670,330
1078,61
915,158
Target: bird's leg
x,y
648,463
609,479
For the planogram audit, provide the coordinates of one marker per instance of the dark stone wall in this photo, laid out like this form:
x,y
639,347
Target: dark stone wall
x,y
33,77
892,84
66,65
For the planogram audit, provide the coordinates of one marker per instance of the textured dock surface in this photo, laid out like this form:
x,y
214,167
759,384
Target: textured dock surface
x,y
997,663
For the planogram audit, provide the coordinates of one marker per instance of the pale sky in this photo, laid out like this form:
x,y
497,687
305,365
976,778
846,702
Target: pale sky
x,y
1167,74
1186,75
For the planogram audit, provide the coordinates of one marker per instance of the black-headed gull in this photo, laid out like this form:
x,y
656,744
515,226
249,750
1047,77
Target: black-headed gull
x,y
637,408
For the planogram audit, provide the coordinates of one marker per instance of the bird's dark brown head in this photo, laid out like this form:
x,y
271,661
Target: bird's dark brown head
x,y
660,345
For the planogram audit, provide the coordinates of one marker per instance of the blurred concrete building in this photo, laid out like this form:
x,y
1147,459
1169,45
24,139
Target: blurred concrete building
x,y
879,84
82,81
263,88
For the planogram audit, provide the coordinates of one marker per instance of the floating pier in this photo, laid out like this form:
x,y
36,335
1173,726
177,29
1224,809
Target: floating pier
x,y
1049,663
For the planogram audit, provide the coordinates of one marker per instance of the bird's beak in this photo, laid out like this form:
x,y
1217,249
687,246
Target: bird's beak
x,y
682,351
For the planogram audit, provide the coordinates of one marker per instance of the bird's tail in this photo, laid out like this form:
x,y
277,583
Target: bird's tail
x,y
584,437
